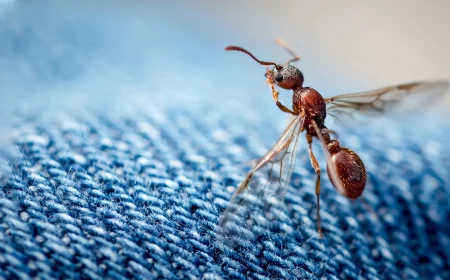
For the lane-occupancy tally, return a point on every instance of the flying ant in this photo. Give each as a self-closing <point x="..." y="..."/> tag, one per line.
<point x="345" y="169"/>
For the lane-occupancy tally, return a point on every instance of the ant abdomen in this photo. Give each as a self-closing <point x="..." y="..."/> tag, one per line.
<point x="347" y="173"/>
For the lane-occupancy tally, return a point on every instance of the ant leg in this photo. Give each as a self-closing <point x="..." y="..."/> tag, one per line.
<point x="268" y="75"/>
<point x="316" y="166"/>
<point x="285" y="109"/>
<point x="269" y="81"/>
<point x="275" y="93"/>
<point x="283" y="44"/>
<point x="275" y="97"/>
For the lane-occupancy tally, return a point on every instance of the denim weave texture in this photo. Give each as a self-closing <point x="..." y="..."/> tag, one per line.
<point x="139" y="197"/>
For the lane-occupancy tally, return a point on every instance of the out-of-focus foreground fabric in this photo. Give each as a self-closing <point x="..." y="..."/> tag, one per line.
<point x="160" y="125"/>
<point x="140" y="196"/>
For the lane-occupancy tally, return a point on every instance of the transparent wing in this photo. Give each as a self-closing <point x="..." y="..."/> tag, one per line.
<point x="258" y="198"/>
<point x="390" y="98"/>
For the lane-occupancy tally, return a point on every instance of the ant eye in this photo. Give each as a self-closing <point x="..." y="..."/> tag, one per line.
<point x="278" y="77"/>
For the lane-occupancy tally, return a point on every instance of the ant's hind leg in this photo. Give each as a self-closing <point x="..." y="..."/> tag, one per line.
<point x="316" y="167"/>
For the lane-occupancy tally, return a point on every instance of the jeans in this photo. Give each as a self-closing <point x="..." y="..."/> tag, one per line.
<point x="140" y="196"/>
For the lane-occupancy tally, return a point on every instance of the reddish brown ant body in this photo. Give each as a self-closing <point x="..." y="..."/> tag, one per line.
<point x="344" y="167"/>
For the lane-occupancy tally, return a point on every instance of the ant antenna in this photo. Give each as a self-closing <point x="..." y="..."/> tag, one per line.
<point x="283" y="44"/>
<point x="235" y="48"/>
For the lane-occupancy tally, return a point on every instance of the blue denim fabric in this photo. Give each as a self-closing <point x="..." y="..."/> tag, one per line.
<point x="120" y="194"/>
<point x="140" y="197"/>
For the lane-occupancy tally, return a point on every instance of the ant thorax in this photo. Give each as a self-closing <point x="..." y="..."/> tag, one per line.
<point x="312" y="103"/>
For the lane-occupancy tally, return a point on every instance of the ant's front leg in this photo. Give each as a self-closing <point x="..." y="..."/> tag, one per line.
<point x="275" y="97"/>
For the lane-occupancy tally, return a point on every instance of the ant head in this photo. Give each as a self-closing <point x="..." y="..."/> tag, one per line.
<point x="287" y="76"/>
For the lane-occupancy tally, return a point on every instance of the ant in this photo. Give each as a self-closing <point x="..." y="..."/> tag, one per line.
<point x="345" y="168"/>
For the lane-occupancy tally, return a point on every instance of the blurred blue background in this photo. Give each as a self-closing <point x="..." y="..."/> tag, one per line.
<point x="164" y="62"/>
<point x="114" y="55"/>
